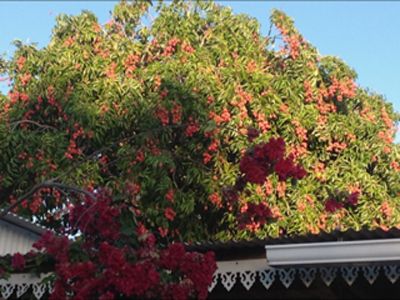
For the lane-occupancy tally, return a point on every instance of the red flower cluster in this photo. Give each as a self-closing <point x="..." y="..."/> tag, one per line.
<point x="21" y="62"/>
<point x="293" y="43"/>
<point x="308" y="92"/>
<point x="18" y="261"/>
<point x="215" y="199"/>
<point x="332" y="205"/>
<point x="163" y="115"/>
<point x="254" y="215"/>
<point x="131" y="63"/>
<point x="207" y="157"/>
<point x="139" y="156"/>
<point x="186" y="47"/>
<point x="269" y="157"/>
<point x="198" y="270"/>
<point x="73" y="148"/>
<point x="97" y="217"/>
<point x="353" y="198"/>
<point x="252" y="134"/>
<point x="192" y="128"/>
<point x="342" y="89"/>
<point x="286" y="168"/>
<point x="262" y="121"/>
<point x="110" y="72"/>
<point x="169" y="213"/>
<point x="170" y="195"/>
<point x="171" y="47"/>
<point x="176" y="113"/>
<point x="223" y="118"/>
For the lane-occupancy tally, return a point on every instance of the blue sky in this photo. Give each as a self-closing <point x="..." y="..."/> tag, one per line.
<point x="363" y="34"/>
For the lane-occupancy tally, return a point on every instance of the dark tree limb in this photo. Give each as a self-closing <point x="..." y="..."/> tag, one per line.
<point x="43" y="126"/>
<point x="46" y="184"/>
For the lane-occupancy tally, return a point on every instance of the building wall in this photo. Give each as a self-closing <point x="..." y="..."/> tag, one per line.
<point x="15" y="239"/>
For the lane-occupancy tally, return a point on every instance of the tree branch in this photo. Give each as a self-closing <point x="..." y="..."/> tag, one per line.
<point x="43" y="126"/>
<point x="46" y="184"/>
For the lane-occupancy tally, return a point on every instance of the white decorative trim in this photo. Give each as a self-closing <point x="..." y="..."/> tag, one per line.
<point x="328" y="275"/>
<point x="371" y="273"/>
<point x="250" y="271"/>
<point x="228" y="273"/>
<point x="333" y="252"/>
<point x="267" y="277"/>
<point x="39" y="289"/>
<point x="228" y="280"/>
<point x="22" y="283"/>
<point x="213" y="282"/>
<point x="349" y="274"/>
<point x="307" y="275"/>
<point x="21" y="289"/>
<point x="247" y="278"/>
<point x="6" y="290"/>
<point x="392" y="273"/>
<point x="287" y="276"/>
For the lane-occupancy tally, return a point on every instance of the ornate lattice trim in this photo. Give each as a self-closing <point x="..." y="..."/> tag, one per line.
<point x="247" y="272"/>
<point x="20" y="284"/>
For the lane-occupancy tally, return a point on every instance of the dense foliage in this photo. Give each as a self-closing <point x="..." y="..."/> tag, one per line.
<point x="159" y="112"/>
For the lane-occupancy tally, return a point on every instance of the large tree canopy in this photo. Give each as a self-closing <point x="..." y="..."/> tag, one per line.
<point x="159" y="112"/>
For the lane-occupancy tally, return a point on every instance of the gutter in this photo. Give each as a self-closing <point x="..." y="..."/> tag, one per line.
<point x="333" y="252"/>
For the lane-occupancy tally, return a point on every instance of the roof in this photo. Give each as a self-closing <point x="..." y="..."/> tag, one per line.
<point x="23" y="223"/>
<point x="256" y="247"/>
<point x="337" y="258"/>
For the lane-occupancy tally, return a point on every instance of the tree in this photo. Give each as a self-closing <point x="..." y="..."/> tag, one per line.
<point x="158" y="117"/>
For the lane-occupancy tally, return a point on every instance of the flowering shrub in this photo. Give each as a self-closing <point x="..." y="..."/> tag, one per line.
<point x="116" y="256"/>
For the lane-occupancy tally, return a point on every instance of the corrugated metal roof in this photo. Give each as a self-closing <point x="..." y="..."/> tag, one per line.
<point x="256" y="245"/>
<point x="23" y="223"/>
